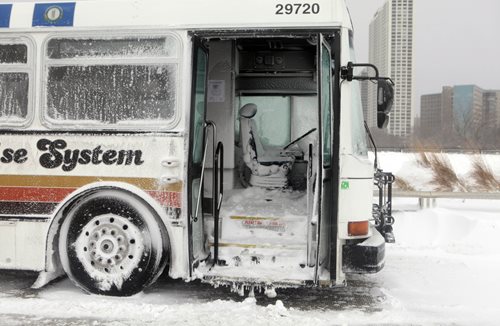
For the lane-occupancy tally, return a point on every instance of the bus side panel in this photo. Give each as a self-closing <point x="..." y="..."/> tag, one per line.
<point x="22" y="244"/>
<point x="356" y="193"/>
<point x="356" y="196"/>
<point x="41" y="172"/>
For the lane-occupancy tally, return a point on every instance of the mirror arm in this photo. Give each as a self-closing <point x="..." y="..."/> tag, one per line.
<point x="348" y="72"/>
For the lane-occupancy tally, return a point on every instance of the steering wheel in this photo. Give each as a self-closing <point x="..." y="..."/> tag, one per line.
<point x="300" y="138"/>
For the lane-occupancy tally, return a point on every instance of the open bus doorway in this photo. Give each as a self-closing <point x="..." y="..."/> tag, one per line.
<point x="262" y="95"/>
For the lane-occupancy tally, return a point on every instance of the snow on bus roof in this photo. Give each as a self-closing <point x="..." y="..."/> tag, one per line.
<point x="195" y="14"/>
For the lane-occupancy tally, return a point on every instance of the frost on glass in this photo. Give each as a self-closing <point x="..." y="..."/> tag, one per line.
<point x="358" y="132"/>
<point x="13" y="85"/>
<point x="114" y="47"/>
<point x="13" y="95"/>
<point x="111" y="94"/>
<point x="13" y="53"/>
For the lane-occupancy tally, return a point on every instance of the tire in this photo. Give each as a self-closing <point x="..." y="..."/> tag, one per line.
<point x="111" y="243"/>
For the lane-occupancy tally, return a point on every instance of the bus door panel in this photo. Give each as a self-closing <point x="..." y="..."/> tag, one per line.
<point x="325" y="198"/>
<point x="197" y="141"/>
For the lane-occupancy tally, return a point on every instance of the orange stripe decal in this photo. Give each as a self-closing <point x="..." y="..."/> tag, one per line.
<point x="54" y="189"/>
<point x="57" y="195"/>
<point x="59" y="181"/>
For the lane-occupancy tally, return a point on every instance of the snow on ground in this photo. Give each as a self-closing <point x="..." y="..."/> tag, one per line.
<point x="405" y="166"/>
<point x="443" y="270"/>
<point x="445" y="264"/>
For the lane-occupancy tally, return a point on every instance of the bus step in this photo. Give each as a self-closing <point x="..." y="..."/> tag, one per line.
<point x="246" y="254"/>
<point x="253" y="268"/>
<point x="263" y="227"/>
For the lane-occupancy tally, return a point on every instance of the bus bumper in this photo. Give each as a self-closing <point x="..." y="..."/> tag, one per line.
<point x="364" y="257"/>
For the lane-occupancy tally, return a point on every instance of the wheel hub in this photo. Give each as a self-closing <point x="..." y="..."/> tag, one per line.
<point x="107" y="246"/>
<point x="110" y="245"/>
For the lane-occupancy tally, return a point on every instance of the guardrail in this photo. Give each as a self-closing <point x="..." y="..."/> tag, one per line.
<point x="427" y="199"/>
<point x="443" y="150"/>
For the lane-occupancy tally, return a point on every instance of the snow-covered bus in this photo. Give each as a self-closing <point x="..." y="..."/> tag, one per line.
<point x="213" y="140"/>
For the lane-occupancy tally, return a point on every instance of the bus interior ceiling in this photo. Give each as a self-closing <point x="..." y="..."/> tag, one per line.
<point x="267" y="200"/>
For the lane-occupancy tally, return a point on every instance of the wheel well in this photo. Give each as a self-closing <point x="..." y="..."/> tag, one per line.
<point x="53" y="261"/>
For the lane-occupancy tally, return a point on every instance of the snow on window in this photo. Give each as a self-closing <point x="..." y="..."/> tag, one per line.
<point x="13" y="53"/>
<point x="14" y="83"/>
<point x="13" y="95"/>
<point x="111" y="93"/>
<point x="85" y="86"/>
<point x="119" y="47"/>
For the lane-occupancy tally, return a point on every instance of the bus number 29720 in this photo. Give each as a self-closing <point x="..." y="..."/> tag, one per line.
<point x="297" y="9"/>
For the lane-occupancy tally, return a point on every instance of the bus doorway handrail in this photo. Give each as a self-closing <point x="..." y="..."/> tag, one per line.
<point x="208" y="125"/>
<point x="217" y="182"/>
<point x="218" y="194"/>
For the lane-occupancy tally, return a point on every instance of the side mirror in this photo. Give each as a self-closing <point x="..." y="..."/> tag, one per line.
<point x="385" y="99"/>
<point x="385" y="90"/>
<point x="382" y="120"/>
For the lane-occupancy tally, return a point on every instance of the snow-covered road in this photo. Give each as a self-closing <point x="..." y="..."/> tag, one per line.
<point x="443" y="269"/>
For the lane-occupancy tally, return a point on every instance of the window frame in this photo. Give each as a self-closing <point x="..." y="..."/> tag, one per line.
<point x="29" y="68"/>
<point x="241" y="100"/>
<point x="139" y="125"/>
<point x="326" y="143"/>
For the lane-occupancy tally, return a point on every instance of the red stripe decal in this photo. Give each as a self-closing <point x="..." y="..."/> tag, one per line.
<point x="32" y="194"/>
<point x="166" y="198"/>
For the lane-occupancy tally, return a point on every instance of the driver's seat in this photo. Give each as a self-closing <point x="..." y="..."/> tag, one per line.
<point x="269" y="166"/>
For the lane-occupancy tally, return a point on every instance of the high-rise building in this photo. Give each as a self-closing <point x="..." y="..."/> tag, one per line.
<point x="364" y="94"/>
<point x="391" y="49"/>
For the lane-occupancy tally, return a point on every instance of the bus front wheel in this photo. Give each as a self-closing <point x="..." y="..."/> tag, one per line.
<point x="110" y="243"/>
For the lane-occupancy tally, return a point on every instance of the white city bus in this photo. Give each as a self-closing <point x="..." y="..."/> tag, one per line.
<point x="213" y="140"/>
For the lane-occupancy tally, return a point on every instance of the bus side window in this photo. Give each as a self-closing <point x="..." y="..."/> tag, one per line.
<point x="15" y="83"/>
<point x="272" y="118"/>
<point x="358" y="132"/>
<point x="326" y="102"/>
<point x="112" y="82"/>
<point x="199" y="106"/>
<point x="359" y="146"/>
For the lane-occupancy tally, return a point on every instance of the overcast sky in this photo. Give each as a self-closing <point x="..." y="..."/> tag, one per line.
<point x="456" y="42"/>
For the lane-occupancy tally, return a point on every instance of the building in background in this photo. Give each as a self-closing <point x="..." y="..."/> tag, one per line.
<point x="467" y="109"/>
<point x="431" y="114"/>
<point x="491" y="110"/>
<point x="446" y="110"/>
<point x="391" y="49"/>
<point x="463" y="112"/>
<point x="436" y="113"/>
<point x="364" y="94"/>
